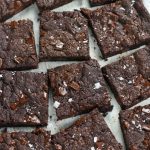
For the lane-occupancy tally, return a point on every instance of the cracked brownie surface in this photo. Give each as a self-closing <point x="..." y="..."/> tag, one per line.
<point x="119" y="26"/>
<point x="51" y="4"/>
<point x="23" y="99"/>
<point x="63" y="36"/>
<point x="38" y="139"/>
<point x="90" y="132"/>
<point x="129" y="78"/>
<point x="135" y="124"/>
<point x="78" y="88"/>
<point x="17" y="46"/>
<point x="8" y="8"/>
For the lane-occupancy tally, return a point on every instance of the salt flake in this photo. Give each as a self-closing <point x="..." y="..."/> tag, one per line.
<point x="97" y="85"/>
<point x="56" y="104"/>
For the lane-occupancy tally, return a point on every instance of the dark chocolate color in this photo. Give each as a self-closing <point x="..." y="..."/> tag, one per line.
<point x="23" y="99"/>
<point x="129" y="78"/>
<point x="51" y="4"/>
<point x="38" y="139"/>
<point x="90" y="132"/>
<point x="135" y="124"/>
<point x="78" y="88"/>
<point x="8" y="8"/>
<point x="120" y="26"/>
<point x="63" y="36"/>
<point x="17" y="46"/>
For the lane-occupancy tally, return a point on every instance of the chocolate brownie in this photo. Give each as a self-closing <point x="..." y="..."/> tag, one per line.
<point x="129" y="78"/>
<point x="64" y="36"/>
<point x="100" y="2"/>
<point x="23" y="99"/>
<point x="51" y="4"/>
<point x="90" y="132"/>
<point x="135" y="124"/>
<point x="38" y="139"/>
<point x="78" y="88"/>
<point x="8" y="8"/>
<point x="17" y="46"/>
<point x="120" y="26"/>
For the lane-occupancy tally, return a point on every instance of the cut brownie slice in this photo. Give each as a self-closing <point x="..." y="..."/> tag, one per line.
<point x="17" y="46"/>
<point x="78" y="88"/>
<point x="51" y="4"/>
<point x="23" y="99"/>
<point x="129" y="78"/>
<point x="120" y="26"/>
<point x="90" y="132"/>
<point x="135" y="125"/>
<point x="64" y="36"/>
<point x="100" y="2"/>
<point x="38" y="139"/>
<point x="12" y="7"/>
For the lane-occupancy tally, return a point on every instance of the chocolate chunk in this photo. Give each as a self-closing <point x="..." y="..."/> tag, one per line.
<point x="90" y="132"/>
<point x="78" y="88"/>
<point x="137" y="134"/>
<point x="64" y="36"/>
<point x="38" y="139"/>
<point x="23" y="99"/>
<point x="12" y="7"/>
<point x="17" y="46"/>
<point x="120" y="26"/>
<point x="129" y="78"/>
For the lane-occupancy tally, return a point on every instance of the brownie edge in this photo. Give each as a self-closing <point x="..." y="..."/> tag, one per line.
<point x="17" y="46"/>
<point x="79" y="88"/>
<point x="135" y="124"/>
<point x="129" y="78"/>
<point x="23" y="99"/>
<point x="51" y="4"/>
<point x="120" y="26"/>
<point x="12" y="7"/>
<point x="90" y="132"/>
<point x="38" y="139"/>
<point x="63" y="36"/>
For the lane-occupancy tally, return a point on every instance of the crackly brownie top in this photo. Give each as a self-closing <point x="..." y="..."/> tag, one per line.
<point x="38" y="139"/>
<point x="90" y="132"/>
<point x="9" y="8"/>
<point x="79" y="88"/>
<point x="23" y="98"/>
<point x="129" y="78"/>
<point x="120" y="26"/>
<point x="136" y="127"/>
<point x="51" y="4"/>
<point x="63" y="34"/>
<point x="17" y="45"/>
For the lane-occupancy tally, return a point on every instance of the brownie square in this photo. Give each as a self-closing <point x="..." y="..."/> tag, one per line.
<point x="100" y="2"/>
<point x="120" y="26"/>
<point x="78" y="88"/>
<point x="90" y="132"/>
<point x="23" y="99"/>
<point x="129" y="78"/>
<point x="135" y="124"/>
<point x="51" y="4"/>
<point x="17" y="46"/>
<point x="38" y="139"/>
<point x="63" y="36"/>
<point x="12" y="7"/>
